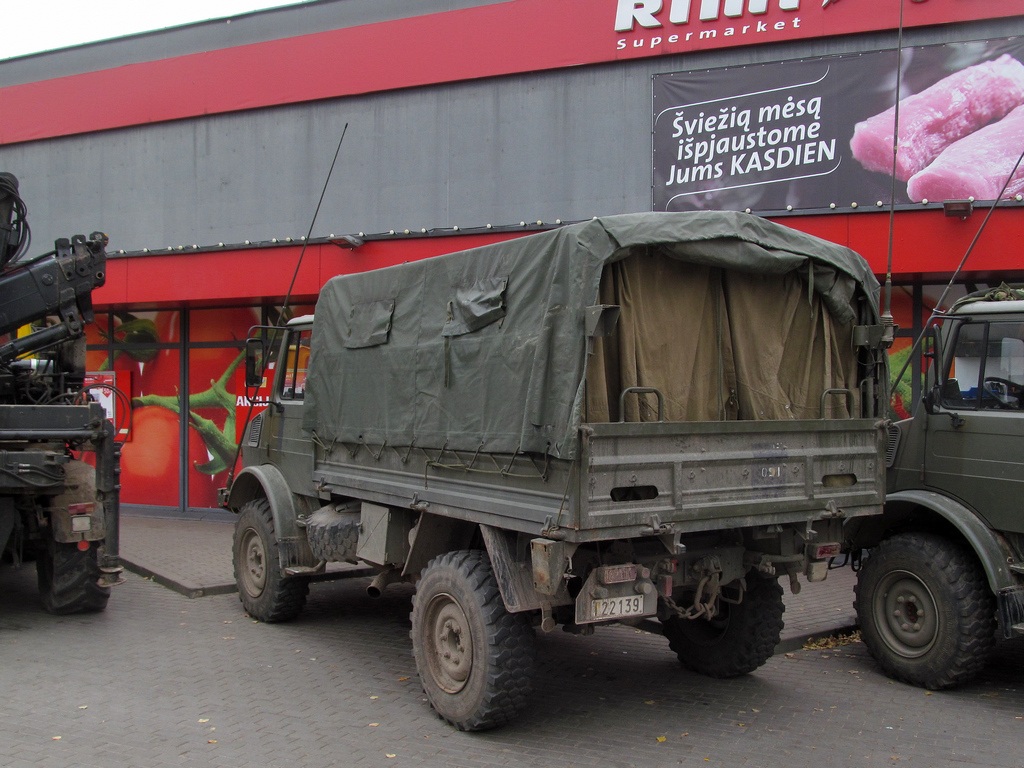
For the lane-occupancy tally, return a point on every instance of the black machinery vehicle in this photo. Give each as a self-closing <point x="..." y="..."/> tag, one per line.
<point x="56" y="507"/>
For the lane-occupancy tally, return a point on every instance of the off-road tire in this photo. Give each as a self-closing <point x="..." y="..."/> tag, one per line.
<point x="333" y="535"/>
<point x="457" y="609"/>
<point x="262" y="587"/>
<point x="925" y="610"/>
<point x="737" y="641"/>
<point x="69" y="579"/>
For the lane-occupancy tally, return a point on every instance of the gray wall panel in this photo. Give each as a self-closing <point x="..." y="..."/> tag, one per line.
<point x="565" y="144"/>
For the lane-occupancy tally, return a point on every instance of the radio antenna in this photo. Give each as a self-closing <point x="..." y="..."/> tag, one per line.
<point x="312" y="222"/>
<point x="888" y="324"/>
<point x="977" y="236"/>
<point x="287" y="299"/>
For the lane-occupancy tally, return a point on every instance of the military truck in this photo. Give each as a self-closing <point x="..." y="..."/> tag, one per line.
<point x="946" y="561"/>
<point x="55" y="506"/>
<point x="636" y="418"/>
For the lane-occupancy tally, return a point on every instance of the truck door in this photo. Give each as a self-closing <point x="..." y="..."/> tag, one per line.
<point x="975" y="437"/>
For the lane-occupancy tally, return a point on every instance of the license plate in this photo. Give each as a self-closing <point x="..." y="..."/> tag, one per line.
<point x="617" y="607"/>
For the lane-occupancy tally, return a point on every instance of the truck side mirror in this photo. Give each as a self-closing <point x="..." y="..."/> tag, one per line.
<point x="255" y="362"/>
<point x="947" y="394"/>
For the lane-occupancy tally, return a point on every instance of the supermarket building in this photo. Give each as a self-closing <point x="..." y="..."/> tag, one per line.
<point x="204" y="152"/>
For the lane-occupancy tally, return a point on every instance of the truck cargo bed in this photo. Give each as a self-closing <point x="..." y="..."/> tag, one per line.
<point x="635" y="479"/>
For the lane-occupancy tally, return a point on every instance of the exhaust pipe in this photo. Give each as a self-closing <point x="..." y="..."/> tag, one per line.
<point x="388" y="576"/>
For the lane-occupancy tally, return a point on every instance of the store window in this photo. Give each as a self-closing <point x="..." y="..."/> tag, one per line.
<point x="216" y="340"/>
<point x="138" y="354"/>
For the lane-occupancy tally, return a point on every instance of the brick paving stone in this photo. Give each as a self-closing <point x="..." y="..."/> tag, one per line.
<point x="298" y="695"/>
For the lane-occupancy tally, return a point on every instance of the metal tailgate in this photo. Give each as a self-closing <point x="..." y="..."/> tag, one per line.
<point x="696" y="476"/>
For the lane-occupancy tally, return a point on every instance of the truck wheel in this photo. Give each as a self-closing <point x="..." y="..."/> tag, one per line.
<point x="474" y="658"/>
<point x="925" y="611"/>
<point x="263" y="589"/>
<point x="739" y="640"/>
<point x="69" y="579"/>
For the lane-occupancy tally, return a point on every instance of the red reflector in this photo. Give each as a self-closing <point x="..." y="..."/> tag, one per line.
<point x="85" y="508"/>
<point x="823" y="551"/>
<point x="665" y="586"/>
<point x="83" y="545"/>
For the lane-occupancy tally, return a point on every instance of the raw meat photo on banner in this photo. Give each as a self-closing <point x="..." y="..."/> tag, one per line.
<point x="816" y="134"/>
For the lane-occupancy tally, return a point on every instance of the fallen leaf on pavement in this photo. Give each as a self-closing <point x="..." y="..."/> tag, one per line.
<point x="824" y="643"/>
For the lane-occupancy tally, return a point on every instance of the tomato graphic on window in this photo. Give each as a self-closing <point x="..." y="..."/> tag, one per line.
<point x="149" y="461"/>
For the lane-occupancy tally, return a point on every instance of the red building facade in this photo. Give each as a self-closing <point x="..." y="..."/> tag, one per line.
<point x="204" y="152"/>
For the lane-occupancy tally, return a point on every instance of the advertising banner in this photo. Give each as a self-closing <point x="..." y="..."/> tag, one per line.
<point x="817" y="134"/>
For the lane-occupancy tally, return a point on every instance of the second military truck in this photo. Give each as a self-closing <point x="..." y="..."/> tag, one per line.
<point x="638" y="417"/>
<point x="946" y="561"/>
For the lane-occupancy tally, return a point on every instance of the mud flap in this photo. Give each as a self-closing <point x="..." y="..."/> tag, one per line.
<point x="1011" y="611"/>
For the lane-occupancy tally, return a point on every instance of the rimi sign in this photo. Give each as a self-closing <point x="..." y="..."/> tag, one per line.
<point x="645" y="12"/>
<point x="657" y="27"/>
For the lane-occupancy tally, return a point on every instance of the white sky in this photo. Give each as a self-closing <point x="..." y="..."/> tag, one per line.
<point x="30" y="26"/>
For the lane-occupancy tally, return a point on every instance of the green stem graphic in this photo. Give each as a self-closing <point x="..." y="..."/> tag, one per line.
<point x="220" y="443"/>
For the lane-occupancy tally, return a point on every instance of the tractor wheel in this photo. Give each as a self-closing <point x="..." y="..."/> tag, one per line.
<point x="738" y="640"/>
<point x="474" y="658"/>
<point x="263" y="589"/>
<point x="925" y="610"/>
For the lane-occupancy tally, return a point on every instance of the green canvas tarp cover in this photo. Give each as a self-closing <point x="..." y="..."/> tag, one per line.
<point x="729" y="315"/>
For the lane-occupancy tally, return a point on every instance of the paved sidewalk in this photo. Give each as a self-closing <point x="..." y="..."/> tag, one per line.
<point x="193" y="557"/>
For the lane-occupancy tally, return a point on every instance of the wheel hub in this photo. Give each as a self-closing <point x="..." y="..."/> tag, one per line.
<point x="906" y="614"/>
<point x="450" y="649"/>
<point x="254" y="565"/>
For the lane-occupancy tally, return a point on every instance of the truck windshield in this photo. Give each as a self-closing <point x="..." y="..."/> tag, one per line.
<point x="987" y="367"/>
